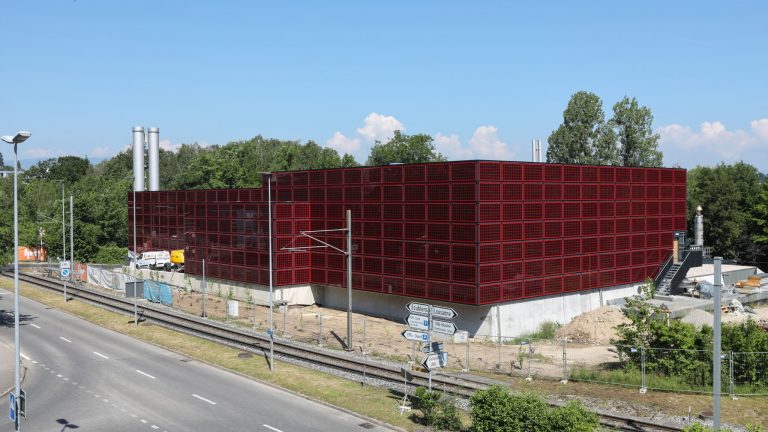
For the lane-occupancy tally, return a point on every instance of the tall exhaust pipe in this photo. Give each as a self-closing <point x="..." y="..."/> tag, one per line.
<point x="698" y="228"/>
<point x="138" y="159"/>
<point x="154" y="158"/>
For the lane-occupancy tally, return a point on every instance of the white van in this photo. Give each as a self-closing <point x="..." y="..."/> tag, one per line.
<point x="154" y="260"/>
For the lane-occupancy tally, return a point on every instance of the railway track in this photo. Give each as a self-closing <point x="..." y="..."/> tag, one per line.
<point x="254" y="342"/>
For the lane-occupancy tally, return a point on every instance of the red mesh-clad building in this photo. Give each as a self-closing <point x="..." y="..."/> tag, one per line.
<point x="476" y="232"/>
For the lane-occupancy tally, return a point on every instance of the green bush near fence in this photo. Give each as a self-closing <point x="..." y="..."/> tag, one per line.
<point x="681" y="355"/>
<point x="439" y="410"/>
<point x="497" y="410"/>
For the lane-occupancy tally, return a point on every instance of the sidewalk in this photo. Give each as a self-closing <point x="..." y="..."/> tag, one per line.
<point x="7" y="367"/>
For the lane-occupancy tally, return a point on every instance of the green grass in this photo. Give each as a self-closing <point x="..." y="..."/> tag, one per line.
<point x="546" y="331"/>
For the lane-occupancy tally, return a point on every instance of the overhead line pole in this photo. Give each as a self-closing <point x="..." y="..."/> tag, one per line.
<point x="63" y="239"/>
<point x="71" y="239"/>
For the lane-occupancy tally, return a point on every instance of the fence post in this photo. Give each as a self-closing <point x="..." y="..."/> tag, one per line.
<point x="467" y="363"/>
<point x="320" y="334"/>
<point x="565" y="362"/>
<point x="730" y="376"/>
<point x="362" y="349"/>
<point x="643" y="388"/>
<point x="530" y="357"/>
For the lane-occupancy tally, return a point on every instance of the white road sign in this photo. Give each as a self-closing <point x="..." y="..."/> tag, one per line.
<point x="445" y="327"/>
<point x="418" y="322"/>
<point x="432" y="361"/>
<point x="443" y="312"/>
<point x="63" y="265"/>
<point x="418" y="308"/>
<point x="416" y="335"/>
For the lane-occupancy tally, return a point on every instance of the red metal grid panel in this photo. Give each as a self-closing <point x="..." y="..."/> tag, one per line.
<point x="465" y="232"/>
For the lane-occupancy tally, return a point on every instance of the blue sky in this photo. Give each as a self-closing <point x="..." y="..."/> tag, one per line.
<point x="483" y="78"/>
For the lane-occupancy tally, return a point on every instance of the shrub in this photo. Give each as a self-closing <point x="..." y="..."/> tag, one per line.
<point x="572" y="417"/>
<point x="496" y="410"/>
<point x="110" y="254"/>
<point x="439" y="411"/>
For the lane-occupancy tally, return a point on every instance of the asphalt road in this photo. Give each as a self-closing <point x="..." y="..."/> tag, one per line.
<point x="82" y="376"/>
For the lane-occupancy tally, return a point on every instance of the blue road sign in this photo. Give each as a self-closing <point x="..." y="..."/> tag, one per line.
<point x="12" y="407"/>
<point x="269" y="332"/>
<point x="64" y="273"/>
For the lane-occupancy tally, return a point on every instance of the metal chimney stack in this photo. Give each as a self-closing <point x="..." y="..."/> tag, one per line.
<point x="154" y="158"/>
<point x="698" y="228"/>
<point x="138" y="159"/>
<point x="536" y="150"/>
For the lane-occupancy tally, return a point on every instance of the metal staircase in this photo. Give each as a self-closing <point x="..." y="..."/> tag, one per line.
<point x="665" y="287"/>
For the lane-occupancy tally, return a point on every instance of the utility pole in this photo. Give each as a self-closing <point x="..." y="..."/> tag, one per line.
<point x="716" y="348"/>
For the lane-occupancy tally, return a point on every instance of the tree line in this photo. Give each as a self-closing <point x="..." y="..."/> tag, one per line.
<point x="734" y="197"/>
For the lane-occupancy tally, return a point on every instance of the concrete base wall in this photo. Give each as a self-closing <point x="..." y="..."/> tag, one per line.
<point x="511" y="319"/>
<point x="506" y="319"/>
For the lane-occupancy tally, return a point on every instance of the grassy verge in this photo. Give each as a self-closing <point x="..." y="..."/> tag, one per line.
<point x="370" y="401"/>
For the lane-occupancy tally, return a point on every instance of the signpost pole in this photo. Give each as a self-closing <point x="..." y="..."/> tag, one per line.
<point x="429" y="343"/>
<point x="203" y="287"/>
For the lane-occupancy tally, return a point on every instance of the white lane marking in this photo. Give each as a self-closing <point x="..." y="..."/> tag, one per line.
<point x="134" y="415"/>
<point x="101" y="355"/>
<point x="270" y="427"/>
<point x="65" y="339"/>
<point x="155" y="427"/>
<point x="34" y="362"/>
<point x="204" y="399"/>
<point x="25" y="357"/>
<point x="35" y="326"/>
<point x="59" y="376"/>
<point x="145" y="374"/>
<point x="143" y="421"/>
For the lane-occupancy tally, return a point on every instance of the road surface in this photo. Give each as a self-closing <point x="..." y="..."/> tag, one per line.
<point x="82" y="376"/>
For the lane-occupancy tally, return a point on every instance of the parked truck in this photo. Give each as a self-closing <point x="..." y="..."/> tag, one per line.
<point x="151" y="259"/>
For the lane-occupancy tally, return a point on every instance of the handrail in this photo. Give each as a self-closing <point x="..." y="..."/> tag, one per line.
<point x="663" y="269"/>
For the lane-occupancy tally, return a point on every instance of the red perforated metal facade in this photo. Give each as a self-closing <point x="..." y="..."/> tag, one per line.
<point x="476" y="232"/>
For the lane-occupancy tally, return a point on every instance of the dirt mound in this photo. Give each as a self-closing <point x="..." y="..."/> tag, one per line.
<point x="597" y="327"/>
<point x="699" y="318"/>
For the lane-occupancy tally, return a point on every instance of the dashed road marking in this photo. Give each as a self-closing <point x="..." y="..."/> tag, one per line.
<point x="35" y="326"/>
<point x="101" y="355"/>
<point x="65" y="339"/>
<point x="204" y="399"/>
<point x="155" y="427"/>
<point x="143" y="421"/>
<point x="273" y="428"/>
<point x="25" y="357"/>
<point x="145" y="374"/>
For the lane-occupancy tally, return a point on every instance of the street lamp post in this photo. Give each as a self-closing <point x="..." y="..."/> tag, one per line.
<point x="63" y="239"/>
<point x="16" y="140"/>
<point x="71" y="240"/>
<point x="135" y="259"/>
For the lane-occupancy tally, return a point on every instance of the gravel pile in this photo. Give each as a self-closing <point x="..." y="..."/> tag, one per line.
<point x="597" y="327"/>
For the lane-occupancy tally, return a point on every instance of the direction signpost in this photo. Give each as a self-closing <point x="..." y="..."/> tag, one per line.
<point x="423" y="317"/>
<point x="415" y="335"/>
<point x="12" y="413"/>
<point x="418" y="322"/>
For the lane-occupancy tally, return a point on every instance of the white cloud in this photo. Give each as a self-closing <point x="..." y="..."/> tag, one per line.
<point x="101" y="152"/>
<point x="486" y="144"/>
<point x="450" y="147"/>
<point x="40" y="153"/>
<point x="343" y="144"/>
<point x="715" y="137"/>
<point x="379" y="127"/>
<point x="760" y="128"/>
<point x="168" y="146"/>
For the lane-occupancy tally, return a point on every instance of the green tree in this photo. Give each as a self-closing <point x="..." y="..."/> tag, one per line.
<point x="572" y="417"/>
<point x="66" y="168"/>
<point x="760" y="215"/>
<point x="583" y="137"/>
<point x="402" y="148"/>
<point x="729" y="196"/>
<point x="638" y="145"/>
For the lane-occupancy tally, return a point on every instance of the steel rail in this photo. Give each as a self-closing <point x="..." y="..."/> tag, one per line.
<point x="291" y="350"/>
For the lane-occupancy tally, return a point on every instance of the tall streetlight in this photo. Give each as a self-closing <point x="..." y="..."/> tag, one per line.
<point x="63" y="239"/>
<point x="135" y="259"/>
<point x="71" y="239"/>
<point x="271" y="300"/>
<point x="16" y="140"/>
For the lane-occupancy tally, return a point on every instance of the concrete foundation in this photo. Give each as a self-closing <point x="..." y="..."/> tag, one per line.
<point x="506" y="320"/>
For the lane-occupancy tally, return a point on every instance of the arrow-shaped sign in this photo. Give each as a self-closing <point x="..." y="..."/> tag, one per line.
<point x="415" y="335"/>
<point x="443" y="312"/>
<point x="418" y="308"/>
<point x="445" y="327"/>
<point x="418" y="322"/>
<point x="432" y="361"/>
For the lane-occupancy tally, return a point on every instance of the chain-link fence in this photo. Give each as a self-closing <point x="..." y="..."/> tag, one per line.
<point x="743" y="373"/>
